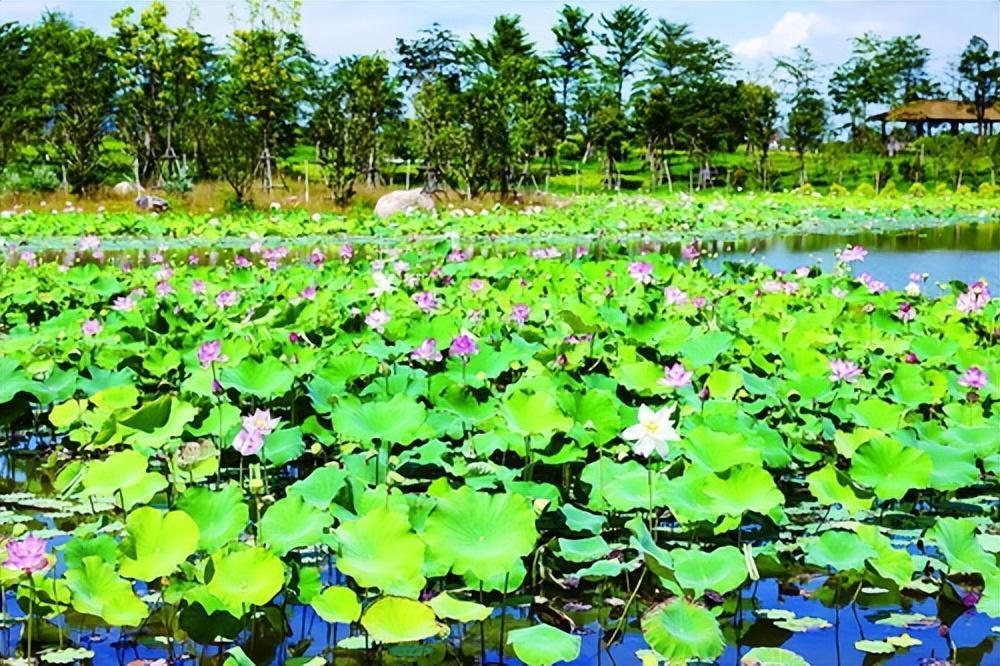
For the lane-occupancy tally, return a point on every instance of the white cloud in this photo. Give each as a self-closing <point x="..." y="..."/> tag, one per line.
<point x="792" y="29"/>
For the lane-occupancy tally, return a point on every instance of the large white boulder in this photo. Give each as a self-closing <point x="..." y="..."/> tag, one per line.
<point x="403" y="201"/>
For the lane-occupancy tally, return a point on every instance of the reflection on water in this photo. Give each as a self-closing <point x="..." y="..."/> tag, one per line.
<point x="965" y="252"/>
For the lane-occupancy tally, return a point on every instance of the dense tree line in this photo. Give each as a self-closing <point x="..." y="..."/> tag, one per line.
<point x="480" y="114"/>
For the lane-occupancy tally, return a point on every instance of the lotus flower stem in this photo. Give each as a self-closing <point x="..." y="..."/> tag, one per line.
<point x="503" y="614"/>
<point x="628" y="604"/>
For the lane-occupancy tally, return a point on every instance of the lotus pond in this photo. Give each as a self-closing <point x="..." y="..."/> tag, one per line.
<point x="529" y="452"/>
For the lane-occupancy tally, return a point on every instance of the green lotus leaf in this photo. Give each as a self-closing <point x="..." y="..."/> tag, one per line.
<point x="830" y="486"/>
<point x="745" y="488"/>
<point x="156" y="423"/>
<point x="801" y="624"/>
<point x="337" y="604"/>
<point x="772" y="656"/>
<point x="462" y="533"/>
<point x="400" y="620"/>
<point x="98" y="590"/>
<point x="448" y="607"/>
<point x="952" y="467"/>
<point x="158" y="543"/>
<point x="892" y="563"/>
<point x="622" y="486"/>
<point x="874" y="647"/>
<point x="380" y="550"/>
<point x="579" y="520"/>
<point x="283" y="446"/>
<point x="903" y="641"/>
<point x="878" y="414"/>
<point x="840" y="550"/>
<point x="583" y="550"/>
<point x="535" y="414"/>
<point x="657" y="559"/>
<point x="955" y="538"/>
<point x="718" y="451"/>
<point x="220" y="515"/>
<point x="891" y="469"/>
<point x="908" y="620"/>
<point x="321" y="486"/>
<point x="68" y="655"/>
<point x="680" y="631"/>
<point x="291" y="523"/>
<point x="398" y="421"/>
<point x="721" y="570"/>
<point x="269" y="378"/>
<point x="543" y="645"/>
<point x="122" y="476"/>
<point x="231" y="584"/>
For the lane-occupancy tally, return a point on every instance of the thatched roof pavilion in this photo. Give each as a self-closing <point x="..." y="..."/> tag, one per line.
<point x="928" y="113"/>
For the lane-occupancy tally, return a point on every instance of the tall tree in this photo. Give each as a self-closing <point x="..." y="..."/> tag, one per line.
<point x="163" y="74"/>
<point x="759" y="109"/>
<point x="19" y="100"/>
<point x="807" y="113"/>
<point x="979" y="78"/>
<point x="623" y="36"/>
<point x="79" y="84"/>
<point x="571" y="58"/>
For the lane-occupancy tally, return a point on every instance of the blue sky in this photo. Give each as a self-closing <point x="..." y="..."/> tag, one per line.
<point x="755" y="30"/>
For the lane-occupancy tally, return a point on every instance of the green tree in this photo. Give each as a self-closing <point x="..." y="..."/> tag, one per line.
<point x="163" y="74"/>
<point x="759" y="106"/>
<point x="19" y="100"/>
<point x="807" y="112"/>
<point x="623" y="36"/>
<point x="572" y="57"/>
<point x="78" y="83"/>
<point x="979" y="78"/>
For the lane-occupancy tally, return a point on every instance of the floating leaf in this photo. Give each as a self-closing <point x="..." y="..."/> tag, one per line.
<point x="448" y="607"/>
<point x="679" y="631"/>
<point x="800" y="624"/>
<point x="232" y="585"/>
<point x="543" y="645"/>
<point x="462" y="532"/>
<point x="291" y="523"/>
<point x="380" y="550"/>
<point x="337" y="604"/>
<point x="122" y="476"/>
<point x="399" y="620"/>
<point x="874" y="647"/>
<point x="158" y="543"/>
<point x="772" y="656"/>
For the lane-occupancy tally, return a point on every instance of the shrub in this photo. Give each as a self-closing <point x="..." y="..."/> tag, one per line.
<point x="917" y="190"/>
<point x="988" y="189"/>
<point x="864" y="190"/>
<point x="838" y="190"/>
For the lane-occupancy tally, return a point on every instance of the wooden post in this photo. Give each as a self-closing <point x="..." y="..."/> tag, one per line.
<point x="307" y="181"/>
<point x="408" y="173"/>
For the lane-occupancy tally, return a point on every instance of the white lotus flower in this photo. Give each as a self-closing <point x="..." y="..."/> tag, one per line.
<point x="652" y="432"/>
<point x="384" y="284"/>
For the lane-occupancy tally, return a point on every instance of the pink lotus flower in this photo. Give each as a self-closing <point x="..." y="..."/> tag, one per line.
<point x="427" y="351"/>
<point x="691" y="252"/>
<point x="476" y="285"/>
<point x="29" y="258"/>
<point x="975" y="299"/>
<point x="197" y="287"/>
<point x="248" y="443"/>
<point x="641" y="272"/>
<point x="844" y="371"/>
<point x="906" y="312"/>
<point x="261" y="422"/>
<point x="26" y="555"/>
<point x="193" y="259"/>
<point x="520" y="313"/>
<point x="346" y="251"/>
<point x="426" y="301"/>
<point x="241" y="261"/>
<point x="227" y="298"/>
<point x="377" y="319"/>
<point x="699" y="302"/>
<point x="674" y="296"/>
<point x="91" y="327"/>
<point x="164" y="289"/>
<point x="675" y="376"/>
<point x="123" y="304"/>
<point x="89" y="243"/>
<point x="973" y="378"/>
<point x="463" y="346"/>
<point x="853" y="253"/>
<point x="211" y="352"/>
<point x="309" y="293"/>
<point x="457" y="256"/>
<point x="316" y="257"/>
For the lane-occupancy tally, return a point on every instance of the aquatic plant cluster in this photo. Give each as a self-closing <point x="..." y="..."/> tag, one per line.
<point x="589" y="214"/>
<point x="423" y="440"/>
